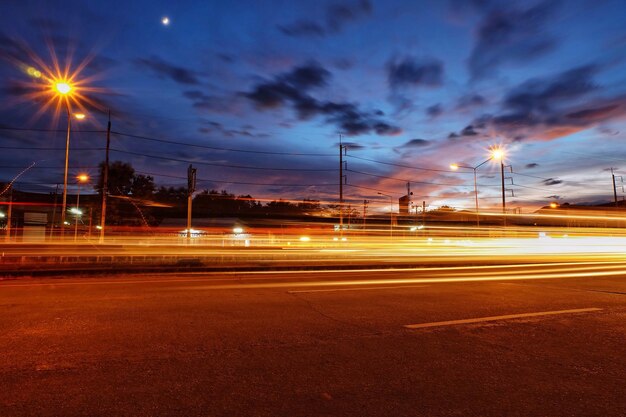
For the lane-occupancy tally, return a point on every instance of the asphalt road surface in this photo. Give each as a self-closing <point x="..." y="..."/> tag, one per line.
<point x="534" y="340"/>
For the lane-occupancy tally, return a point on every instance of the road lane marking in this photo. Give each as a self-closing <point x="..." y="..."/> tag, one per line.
<point x="357" y="289"/>
<point x="496" y="318"/>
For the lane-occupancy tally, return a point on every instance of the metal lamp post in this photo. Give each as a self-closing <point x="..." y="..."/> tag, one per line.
<point x="454" y="167"/>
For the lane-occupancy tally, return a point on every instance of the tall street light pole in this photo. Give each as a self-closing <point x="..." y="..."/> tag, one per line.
<point x="497" y="154"/>
<point x="63" y="89"/>
<point x="454" y="167"/>
<point x="390" y="213"/>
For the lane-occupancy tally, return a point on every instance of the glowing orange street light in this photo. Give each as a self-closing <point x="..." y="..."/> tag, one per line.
<point x="62" y="87"/>
<point x="498" y="154"/>
<point x="80" y="116"/>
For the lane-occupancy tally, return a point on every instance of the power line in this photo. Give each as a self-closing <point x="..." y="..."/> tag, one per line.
<point x="405" y="166"/>
<point x="218" y="148"/>
<point x="238" y="182"/>
<point x="400" y="179"/>
<point x="223" y="165"/>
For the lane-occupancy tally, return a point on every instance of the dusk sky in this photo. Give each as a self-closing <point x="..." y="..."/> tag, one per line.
<point x="411" y="86"/>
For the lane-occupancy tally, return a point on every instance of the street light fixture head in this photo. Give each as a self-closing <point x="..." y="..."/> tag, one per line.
<point x="80" y="116"/>
<point x="62" y="87"/>
<point x="82" y="177"/>
<point x="497" y="154"/>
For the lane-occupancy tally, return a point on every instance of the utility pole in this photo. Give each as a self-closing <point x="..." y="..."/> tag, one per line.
<point x="105" y="182"/>
<point x="614" y="187"/>
<point x="423" y="213"/>
<point x="191" y="187"/>
<point x="341" y="179"/>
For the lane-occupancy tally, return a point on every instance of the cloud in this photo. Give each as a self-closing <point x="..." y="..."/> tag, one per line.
<point x="469" y="101"/>
<point x="552" y="181"/>
<point x="509" y="35"/>
<point x="353" y="146"/>
<point x="165" y="70"/>
<point x="303" y="28"/>
<point x="469" y="130"/>
<point x="293" y="89"/>
<point x="551" y="107"/>
<point x="544" y="94"/>
<point x="413" y="73"/>
<point x="416" y="143"/>
<point x="434" y="110"/>
<point x="213" y="103"/>
<point x="532" y="165"/>
<point x="336" y="17"/>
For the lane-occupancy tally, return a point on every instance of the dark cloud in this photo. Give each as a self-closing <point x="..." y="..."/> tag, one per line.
<point x="416" y="143"/>
<point x="510" y="35"/>
<point x="411" y="72"/>
<point x="292" y="89"/>
<point x="597" y="113"/>
<point x="532" y="165"/>
<point x="543" y="94"/>
<point x="166" y="70"/>
<point x="212" y="103"/>
<point x="337" y="15"/>
<point x="353" y="146"/>
<point x="434" y="110"/>
<point x="292" y="86"/>
<point x="470" y="101"/>
<point x="308" y="76"/>
<point x="552" y="181"/>
<point x="552" y="107"/>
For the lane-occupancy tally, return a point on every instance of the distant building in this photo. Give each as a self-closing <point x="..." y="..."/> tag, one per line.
<point x="404" y="203"/>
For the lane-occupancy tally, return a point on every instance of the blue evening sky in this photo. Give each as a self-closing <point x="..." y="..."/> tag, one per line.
<point x="411" y="86"/>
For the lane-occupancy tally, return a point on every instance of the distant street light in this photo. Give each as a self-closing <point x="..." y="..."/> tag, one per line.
<point x="390" y="213"/>
<point x="454" y="167"/>
<point x="81" y="179"/>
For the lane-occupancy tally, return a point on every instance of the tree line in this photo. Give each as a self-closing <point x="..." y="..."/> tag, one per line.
<point x="135" y="199"/>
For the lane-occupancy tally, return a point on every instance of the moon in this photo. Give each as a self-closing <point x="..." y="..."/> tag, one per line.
<point x="165" y="20"/>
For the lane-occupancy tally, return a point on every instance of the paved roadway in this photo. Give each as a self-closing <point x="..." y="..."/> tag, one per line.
<point x="547" y="341"/>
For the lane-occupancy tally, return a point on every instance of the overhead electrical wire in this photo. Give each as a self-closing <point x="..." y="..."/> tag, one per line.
<point x="218" y="148"/>
<point x="224" y="165"/>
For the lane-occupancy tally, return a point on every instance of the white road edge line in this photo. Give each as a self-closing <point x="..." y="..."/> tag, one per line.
<point x="357" y="289"/>
<point x="495" y="318"/>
